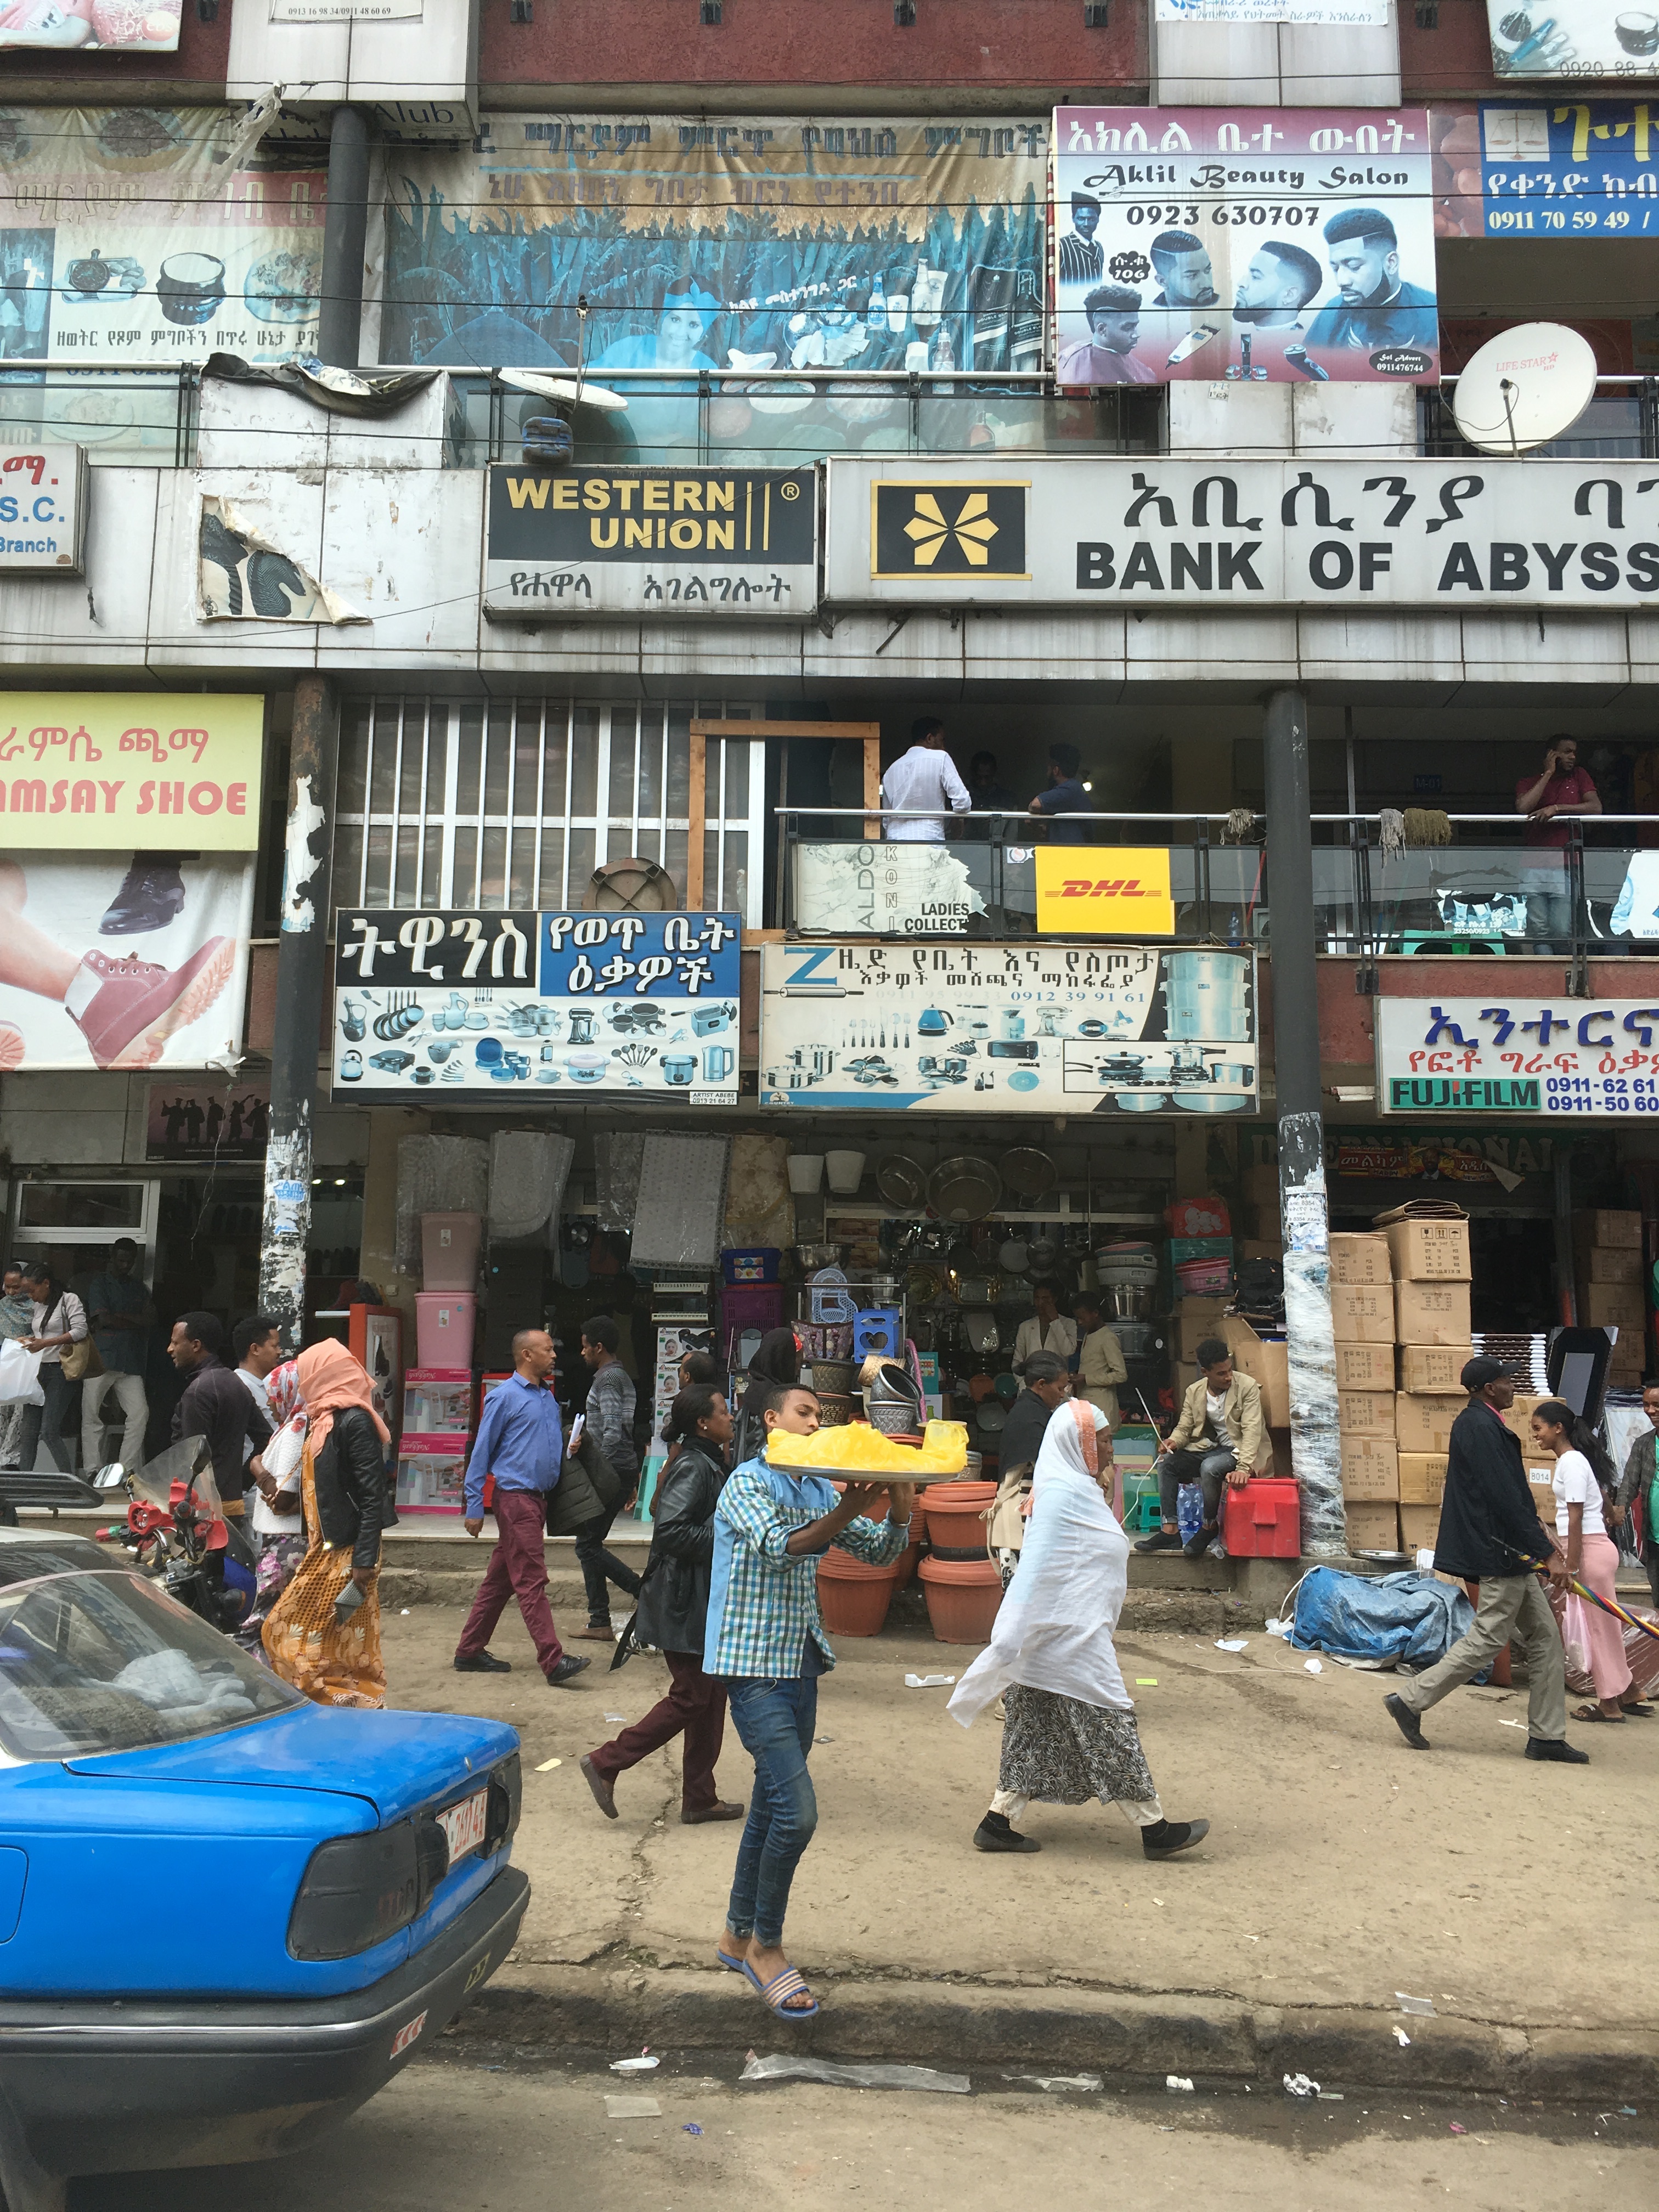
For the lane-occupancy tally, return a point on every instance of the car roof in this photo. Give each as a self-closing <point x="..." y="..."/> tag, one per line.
<point x="26" y="1553"/>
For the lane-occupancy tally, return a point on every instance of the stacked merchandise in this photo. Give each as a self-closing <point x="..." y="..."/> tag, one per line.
<point x="1608" y="1263"/>
<point x="1362" y="1323"/>
<point x="432" y="1454"/>
<point x="1430" y="1258"/>
<point x="1200" y="1248"/>
<point x="1524" y="1355"/>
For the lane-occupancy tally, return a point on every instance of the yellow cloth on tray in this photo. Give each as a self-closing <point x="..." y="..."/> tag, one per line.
<point x="855" y="1448"/>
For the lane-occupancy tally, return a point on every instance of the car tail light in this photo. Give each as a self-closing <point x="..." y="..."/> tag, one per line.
<point x="358" y="1890"/>
<point x="506" y="1795"/>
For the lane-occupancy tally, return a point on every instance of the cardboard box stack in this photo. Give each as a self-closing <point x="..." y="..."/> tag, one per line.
<point x="1429" y="1259"/>
<point x="1607" y="1257"/>
<point x="1362" y="1313"/>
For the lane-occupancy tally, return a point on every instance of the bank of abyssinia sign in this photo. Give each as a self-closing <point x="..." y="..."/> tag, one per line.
<point x="664" y="541"/>
<point x="1384" y="533"/>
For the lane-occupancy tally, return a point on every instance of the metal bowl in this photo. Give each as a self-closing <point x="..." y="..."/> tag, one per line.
<point x="964" y="1189"/>
<point x="1029" y="1174"/>
<point x="901" y="1181"/>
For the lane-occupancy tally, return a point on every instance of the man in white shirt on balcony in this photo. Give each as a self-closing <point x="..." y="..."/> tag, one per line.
<point x="925" y="778"/>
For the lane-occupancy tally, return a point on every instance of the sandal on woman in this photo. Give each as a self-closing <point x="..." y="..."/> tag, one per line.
<point x="731" y="1965"/>
<point x="782" y="1987"/>
<point x="1594" y="1713"/>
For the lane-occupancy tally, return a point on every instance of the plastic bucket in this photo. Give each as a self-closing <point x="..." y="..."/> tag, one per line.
<point x="444" y="1323"/>
<point x="963" y="1597"/>
<point x="805" y="1173"/>
<point x="449" y="1253"/>
<point x="845" y="1172"/>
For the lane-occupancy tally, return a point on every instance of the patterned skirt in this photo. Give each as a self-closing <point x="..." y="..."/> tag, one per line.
<point x="1063" y="1752"/>
<point x="306" y="1645"/>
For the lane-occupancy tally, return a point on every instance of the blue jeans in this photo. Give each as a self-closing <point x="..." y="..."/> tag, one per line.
<point x="775" y="1722"/>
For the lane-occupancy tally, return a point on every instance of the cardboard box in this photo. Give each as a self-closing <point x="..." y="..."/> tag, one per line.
<point x="1364" y="1367"/>
<point x="1622" y="1304"/>
<point x="1370" y="1468"/>
<point x="1424" y="1424"/>
<point x="1518" y="1421"/>
<point x="1281" y="1441"/>
<point x="1431" y="1313"/>
<point x="1360" y="1260"/>
<point x="1360" y="1315"/>
<point x="1539" y="1480"/>
<point x="1267" y="1362"/>
<point x="1419" y="1525"/>
<point x="1611" y="1228"/>
<point x="1433" y="1370"/>
<point x="1422" y="1477"/>
<point x="1371" y="1528"/>
<point x="1193" y="1329"/>
<point x="1614" y="1264"/>
<point x="1260" y="1247"/>
<point x="1366" y="1413"/>
<point x="1429" y="1251"/>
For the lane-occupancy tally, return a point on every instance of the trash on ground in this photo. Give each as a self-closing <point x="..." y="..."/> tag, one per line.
<point x="548" y="1765"/>
<point x="1298" y="2085"/>
<point x="691" y="2129"/>
<point x="823" y="1739"/>
<point x="1277" y="1628"/>
<point x="1511" y="1723"/>
<point x="403" y="1610"/>
<point x="617" y="1717"/>
<point x="1415" y="2004"/>
<point x="1402" y="2038"/>
<point x="1056" y="2082"/>
<point x="780" y="2066"/>
<point x="642" y="2065"/>
<point x="1182" y="2083"/>
<point x="636" y="2107"/>
<point x="928" y="1681"/>
<point x="1232" y="1643"/>
<point x="1145" y="1681"/>
<point x="1330" y="2096"/>
<point x="1311" y="1666"/>
<point x="1458" y="2128"/>
<point x="1627" y="2112"/>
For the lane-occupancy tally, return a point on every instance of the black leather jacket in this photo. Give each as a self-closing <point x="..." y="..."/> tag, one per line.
<point x="673" y="1605"/>
<point x="354" y="1500"/>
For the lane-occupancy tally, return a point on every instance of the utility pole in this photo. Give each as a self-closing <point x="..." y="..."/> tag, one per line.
<point x="1315" y="1443"/>
<point x="302" y="963"/>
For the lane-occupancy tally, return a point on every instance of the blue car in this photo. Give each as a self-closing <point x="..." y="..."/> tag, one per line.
<point x="228" y="1915"/>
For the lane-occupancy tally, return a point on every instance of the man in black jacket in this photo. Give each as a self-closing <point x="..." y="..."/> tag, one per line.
<point x="215" y="1405"/>
<point x="1489" y="1533"/>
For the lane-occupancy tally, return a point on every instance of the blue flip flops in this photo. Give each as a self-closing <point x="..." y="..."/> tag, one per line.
<point x="788" y="1983"/>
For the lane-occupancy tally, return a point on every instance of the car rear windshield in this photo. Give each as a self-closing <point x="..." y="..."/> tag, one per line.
<point x="105" y="1662"/>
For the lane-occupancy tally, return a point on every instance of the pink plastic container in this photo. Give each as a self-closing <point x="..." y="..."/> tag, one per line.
<point x="449" y="1250"/>
<point x="444" y="1322"/>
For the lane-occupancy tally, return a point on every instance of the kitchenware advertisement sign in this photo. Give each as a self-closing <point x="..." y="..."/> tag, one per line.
<point x="1008" y="1029"/>
<point x="459" y="1003"/>
<point x="1593" y="39"/>
<point x="1281" y="246"/>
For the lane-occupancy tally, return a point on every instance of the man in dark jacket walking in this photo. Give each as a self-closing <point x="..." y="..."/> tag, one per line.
<point x="1489" y="1532"/>
<point x="215" y="1405"/>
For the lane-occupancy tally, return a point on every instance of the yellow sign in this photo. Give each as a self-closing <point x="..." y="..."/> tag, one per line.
<point x="145" y="771"/>
<point x="1105" y="890"/>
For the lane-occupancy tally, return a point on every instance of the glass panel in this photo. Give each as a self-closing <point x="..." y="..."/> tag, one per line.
<point x="1502" y="898"/>
<point x="430" y="888"/>
<point x="1239" y="886"/>
<point x="675" y="861"/>
<point x="649" y="798"/>
<point x="1609" y="429"/>
<point x="409" y="846"/>
<point x="124" y="415"/>
<point x="521" y="879"/>
<point x="582" y="866"/>
<point x="1621" y="898"/>
<point x="348" y="863"/>
<point x="498" y="744"/>
<point x="469" y="752"/>
<point x="493" y="880"/>
<point x="354" y="756"/>
<point x="410" y="787"/>
<point x="526" y="773"/>
<point x="1336" y="915"/>
<point x="466" y="862"/>
<point x="735" y="872"/>
<point x="377" y="889"/>
<point x="383" y="755"/>
<point x="552" y="890"/>
<point x="624" y="729"/>
<point x="584" y="765"/>
<point x="737" y="751"/>
<point x="79" y="1204"/>
<point x="679" y="771"/>
<point x="779" y="424"/>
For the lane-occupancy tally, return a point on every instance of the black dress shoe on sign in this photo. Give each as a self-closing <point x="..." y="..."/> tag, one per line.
<point x="152" y="895"/>
<point x="482" y="1662"/>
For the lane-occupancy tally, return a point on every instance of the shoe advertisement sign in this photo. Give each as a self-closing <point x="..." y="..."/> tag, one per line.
<point x="123" y="959"/>
<point x="109" y="770"/>
<point x="464" y="1004"/>
<point x="1008" y="1029"/>
<point x="1265" y="245"/>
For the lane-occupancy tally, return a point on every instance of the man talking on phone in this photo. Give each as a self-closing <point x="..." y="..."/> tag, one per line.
<point x="1563" y="788"/>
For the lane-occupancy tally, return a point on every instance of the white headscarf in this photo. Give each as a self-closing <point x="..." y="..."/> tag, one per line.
<point x="1054" y="1630"/>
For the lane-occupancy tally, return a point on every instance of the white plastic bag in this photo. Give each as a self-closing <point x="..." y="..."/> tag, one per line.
<point x="20" y="1375"/>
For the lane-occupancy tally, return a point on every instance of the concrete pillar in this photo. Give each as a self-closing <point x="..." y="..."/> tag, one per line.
<point x="345" y="236"/>
<point x="1315" y="1445"/>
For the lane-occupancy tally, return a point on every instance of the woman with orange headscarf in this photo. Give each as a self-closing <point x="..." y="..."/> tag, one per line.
<point x="323" y="1632"/>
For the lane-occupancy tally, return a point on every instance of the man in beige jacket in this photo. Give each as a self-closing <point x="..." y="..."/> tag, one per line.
<point x="1100" y="1358"/>
<point x="1221" y="1438"/>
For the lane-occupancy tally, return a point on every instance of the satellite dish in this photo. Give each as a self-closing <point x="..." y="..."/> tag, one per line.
<point x="564" y="390"/>
<point x="1523" y="387"/>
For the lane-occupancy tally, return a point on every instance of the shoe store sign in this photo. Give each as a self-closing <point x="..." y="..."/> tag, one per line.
<point x="1129" y="534"/>
<point x="678" y="542"/>
<point x="474" y="1002"/>
<point x="1574" y="1058"/>
<point x="154" y="771"/>
<point x="43" y="511"/>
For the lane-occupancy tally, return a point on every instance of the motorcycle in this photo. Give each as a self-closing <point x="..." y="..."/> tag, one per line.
<point x="177" y="1529"/>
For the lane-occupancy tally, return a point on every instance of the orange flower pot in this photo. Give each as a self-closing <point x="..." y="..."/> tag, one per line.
<point x="962" y="1598"/>
<point x="954" y="1514"/>
<point x="854" y="1597"/>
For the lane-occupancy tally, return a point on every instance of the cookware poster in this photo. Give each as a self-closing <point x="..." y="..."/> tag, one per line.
<point x="456" y="1004"/>
<point x="1594" y="39"/>
<point x="134" y="235"/>
<point x="1279" y="245"/>
<point x="1008" y="1029"/>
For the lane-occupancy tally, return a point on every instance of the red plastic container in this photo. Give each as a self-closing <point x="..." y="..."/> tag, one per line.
<point x="854" y="1596"/>
<point x="963" y="1597"/>
<point x="1264" y="1520"/>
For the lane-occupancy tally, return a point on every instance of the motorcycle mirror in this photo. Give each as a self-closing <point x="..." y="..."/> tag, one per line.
<point x="110" y="1477"/>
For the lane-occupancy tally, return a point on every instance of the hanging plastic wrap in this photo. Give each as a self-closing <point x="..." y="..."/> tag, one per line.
<point x="437" y="1175"/>
<point x="759" y="1210"/>
<point x="1316" y="1444"/>
<point x="682" y="1201"/>
<point x="617" y="1178"/>
<point x="528" y="1172"/>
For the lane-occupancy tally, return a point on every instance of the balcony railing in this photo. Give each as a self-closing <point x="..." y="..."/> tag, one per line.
<point x="1621" y="423"/>
<point x="130" y="417"/>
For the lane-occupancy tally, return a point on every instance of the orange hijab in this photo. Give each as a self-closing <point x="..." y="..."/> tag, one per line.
<point x="330" y="1381"/>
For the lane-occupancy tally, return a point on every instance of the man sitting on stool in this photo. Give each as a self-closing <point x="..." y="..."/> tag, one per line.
<point x="1221" y="1437"/>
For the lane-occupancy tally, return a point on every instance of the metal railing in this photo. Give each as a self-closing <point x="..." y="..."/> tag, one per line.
<point x="128" y="418"/>
<point x="1621" y="423"/>
<point x="832" y="881"/>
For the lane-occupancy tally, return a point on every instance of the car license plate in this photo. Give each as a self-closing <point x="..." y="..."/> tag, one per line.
<point x="464" y="1823"/>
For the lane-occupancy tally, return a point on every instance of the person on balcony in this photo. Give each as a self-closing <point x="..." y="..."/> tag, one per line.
<point x="921" y="787"/>
<point x="1067" y="793"/>
<point x="1562" y="788"/>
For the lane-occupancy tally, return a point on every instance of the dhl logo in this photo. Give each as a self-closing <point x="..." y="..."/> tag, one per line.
<point x="1123" y="887"/>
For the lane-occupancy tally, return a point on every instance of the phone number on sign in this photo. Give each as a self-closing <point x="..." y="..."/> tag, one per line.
<point x="1607" y="1094"/>
<point x="1259" y="213"/>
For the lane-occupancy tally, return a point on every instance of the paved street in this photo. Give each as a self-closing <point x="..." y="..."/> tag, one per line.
<point x="457" y="2134"/>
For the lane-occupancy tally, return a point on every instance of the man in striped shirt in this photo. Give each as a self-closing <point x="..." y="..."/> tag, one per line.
<point x="1082" y="260"/>
<point x="765" y="1637"/>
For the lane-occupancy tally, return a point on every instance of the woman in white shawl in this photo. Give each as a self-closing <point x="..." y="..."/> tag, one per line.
<point x="1071" y="1733"/>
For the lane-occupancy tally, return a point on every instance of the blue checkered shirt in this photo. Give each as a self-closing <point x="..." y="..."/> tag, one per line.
<point x="763" y="1603"/>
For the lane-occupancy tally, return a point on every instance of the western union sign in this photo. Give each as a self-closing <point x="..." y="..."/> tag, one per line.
<point x="673" y="542"/>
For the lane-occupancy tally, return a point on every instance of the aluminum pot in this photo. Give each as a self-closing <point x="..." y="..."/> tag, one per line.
<point x="809" y="1258"/>
<point x="965" y="1188"/>
<point x="1128" y="1301"/>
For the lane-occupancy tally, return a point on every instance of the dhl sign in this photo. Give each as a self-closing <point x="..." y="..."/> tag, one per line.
<point x="1105" y="890"/>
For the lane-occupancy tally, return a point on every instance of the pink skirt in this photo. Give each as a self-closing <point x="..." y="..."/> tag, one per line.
<point x="1598" y="1636"/>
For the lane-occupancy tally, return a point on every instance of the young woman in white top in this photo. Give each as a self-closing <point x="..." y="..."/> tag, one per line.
<point x="1592" y="1558"/>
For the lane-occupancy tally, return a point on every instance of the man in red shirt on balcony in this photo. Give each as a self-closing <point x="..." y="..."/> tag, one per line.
<point x="1563" y="788"/>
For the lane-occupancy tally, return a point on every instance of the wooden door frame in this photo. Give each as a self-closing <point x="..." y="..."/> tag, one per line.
<point x="865" y="733"/>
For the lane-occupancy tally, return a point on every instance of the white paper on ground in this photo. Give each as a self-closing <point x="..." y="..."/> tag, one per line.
<point x="928" y="1681"/>
<point x="622" y="2107"/>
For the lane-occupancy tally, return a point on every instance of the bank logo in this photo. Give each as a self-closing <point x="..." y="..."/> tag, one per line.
<point x="931" y="531"/>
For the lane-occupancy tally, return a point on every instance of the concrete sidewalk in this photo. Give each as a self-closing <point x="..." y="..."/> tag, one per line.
<point x="1341" y="1868"/>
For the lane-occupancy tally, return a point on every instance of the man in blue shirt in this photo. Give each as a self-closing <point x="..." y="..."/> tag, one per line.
<point x="765" y="1635"/>
<point x="520" y="1445"/>
<point x="1065" y="795"/>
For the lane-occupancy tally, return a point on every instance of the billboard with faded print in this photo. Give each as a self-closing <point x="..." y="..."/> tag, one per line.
<point x="764" y="243"/>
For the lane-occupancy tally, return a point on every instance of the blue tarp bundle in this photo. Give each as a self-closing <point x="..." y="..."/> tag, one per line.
<point x="1406" y="1619"/>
